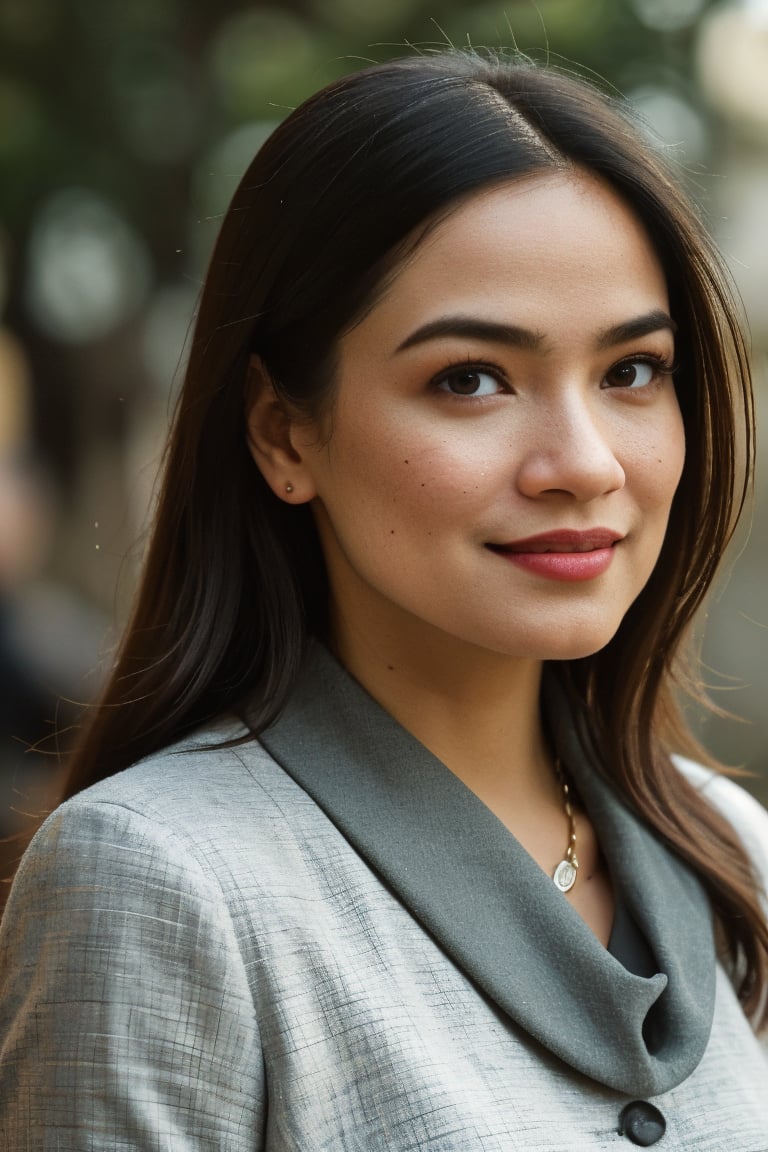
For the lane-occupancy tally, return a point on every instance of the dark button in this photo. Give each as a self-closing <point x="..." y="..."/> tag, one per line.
<point x="642" y="1123"/>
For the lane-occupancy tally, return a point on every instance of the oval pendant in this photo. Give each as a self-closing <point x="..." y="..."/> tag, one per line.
<point x="565" y="875"/>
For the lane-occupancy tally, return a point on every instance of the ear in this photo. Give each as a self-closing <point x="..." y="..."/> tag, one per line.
<point x="271" y="431"/>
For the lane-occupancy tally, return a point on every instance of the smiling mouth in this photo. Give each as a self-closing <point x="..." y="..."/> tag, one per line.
<point x="567" y="556"/>
<point x="564" y="541"/>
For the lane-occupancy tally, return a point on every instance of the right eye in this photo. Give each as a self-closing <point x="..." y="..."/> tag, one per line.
<point x="469" y="380"/>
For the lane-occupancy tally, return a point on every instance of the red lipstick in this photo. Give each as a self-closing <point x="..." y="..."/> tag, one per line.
<point x="566" y="554"/>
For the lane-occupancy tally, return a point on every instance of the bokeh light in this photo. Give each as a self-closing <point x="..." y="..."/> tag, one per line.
<point x="668" y="15"/>
<point x="165" y="331"/>
<point x="733" y="61"/>
<point x="214" y="181"/>
<point x="673" y="120"/>
<point x="156" y="102"/>
<point x="265" y="56"/>
<point x="88" y="270"/>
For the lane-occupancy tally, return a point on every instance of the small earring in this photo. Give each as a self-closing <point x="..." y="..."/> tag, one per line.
<point x="289" y="488"/>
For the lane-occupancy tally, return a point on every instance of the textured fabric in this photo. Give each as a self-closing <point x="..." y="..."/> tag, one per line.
<point x="627" y="943"/>
<point x="195" y="957"/>
<point x="479" y="893"/>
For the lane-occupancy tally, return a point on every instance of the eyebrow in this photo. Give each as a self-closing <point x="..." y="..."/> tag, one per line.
<point x="490" y="331"/>
<point x="656" y="321"/>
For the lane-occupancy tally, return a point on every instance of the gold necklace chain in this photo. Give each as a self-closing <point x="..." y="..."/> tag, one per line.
<point x="565" y="873"/>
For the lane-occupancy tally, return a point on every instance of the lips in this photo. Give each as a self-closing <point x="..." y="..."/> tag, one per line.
<point x="566" y="555"/>
<point x="563" y="540"/>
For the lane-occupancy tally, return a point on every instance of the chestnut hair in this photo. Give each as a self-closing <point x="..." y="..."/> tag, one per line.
<point x="234" y="580"/>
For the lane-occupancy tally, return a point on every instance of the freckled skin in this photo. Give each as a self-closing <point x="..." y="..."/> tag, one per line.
<point x="416" y="481"/>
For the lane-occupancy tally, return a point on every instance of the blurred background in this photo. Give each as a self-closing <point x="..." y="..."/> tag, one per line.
<point x="123" y="130"/>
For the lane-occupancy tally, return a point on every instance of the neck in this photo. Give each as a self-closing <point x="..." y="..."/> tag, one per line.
<point x="476" y="710"/>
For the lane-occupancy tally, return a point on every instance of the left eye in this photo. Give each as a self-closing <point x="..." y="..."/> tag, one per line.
<point x="632" y="374"/>
<point x="468" y="382"/>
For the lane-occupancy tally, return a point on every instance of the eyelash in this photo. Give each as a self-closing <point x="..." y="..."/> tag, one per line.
<point x="467" y="367"/>
<point x="662" y="367"/>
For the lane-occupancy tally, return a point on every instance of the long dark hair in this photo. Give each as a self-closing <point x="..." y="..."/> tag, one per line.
<point x="234" y="580"/>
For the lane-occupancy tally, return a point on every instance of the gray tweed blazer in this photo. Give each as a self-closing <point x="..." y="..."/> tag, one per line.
<point x="323" y="941"/>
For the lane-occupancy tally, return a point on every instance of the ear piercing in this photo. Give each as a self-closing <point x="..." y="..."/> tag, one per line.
<point x="289" y="488"/>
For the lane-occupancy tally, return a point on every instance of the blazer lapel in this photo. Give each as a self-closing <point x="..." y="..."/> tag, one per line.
<point x="475" y="889"/>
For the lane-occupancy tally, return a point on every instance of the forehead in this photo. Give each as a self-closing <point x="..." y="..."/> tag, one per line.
<point x="544" y="247"/>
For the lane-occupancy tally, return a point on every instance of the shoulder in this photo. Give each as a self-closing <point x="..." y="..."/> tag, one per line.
<point x="204" y="781"/>
<point x="197" y="813"/>
<point x="747" y="816"/>
<point x="121" y="959"/>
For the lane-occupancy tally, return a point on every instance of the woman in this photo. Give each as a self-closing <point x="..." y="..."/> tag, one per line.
<point x="453" y="467"/>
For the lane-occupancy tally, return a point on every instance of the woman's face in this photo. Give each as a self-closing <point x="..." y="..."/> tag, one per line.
<point x="505" y="441"/>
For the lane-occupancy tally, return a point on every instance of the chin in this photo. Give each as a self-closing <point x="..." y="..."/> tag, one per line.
<point x="574" y="645"/>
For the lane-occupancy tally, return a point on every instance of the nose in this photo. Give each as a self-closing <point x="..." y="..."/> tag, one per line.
<point x="570" y="452"/>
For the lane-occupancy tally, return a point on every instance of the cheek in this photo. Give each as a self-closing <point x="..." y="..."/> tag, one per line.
<point x="407" y="471"/>
<point x="657" y="464"/>
<point x="671" y="457"/>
